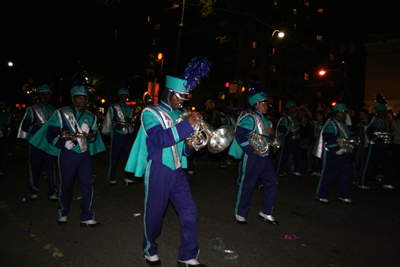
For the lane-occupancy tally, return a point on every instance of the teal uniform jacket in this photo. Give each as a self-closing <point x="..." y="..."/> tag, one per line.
<point x="35" y="117"/>
<point x="52" y="143"/>
<point x="144" y="149"/>
<point x="247" y="122"/>
<point x="116" y="116"/>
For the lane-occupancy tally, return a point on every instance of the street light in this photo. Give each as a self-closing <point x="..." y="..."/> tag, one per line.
<point x="280" y="35"/>
<point x="10" y="64"/>
<point x="323" y="72"/>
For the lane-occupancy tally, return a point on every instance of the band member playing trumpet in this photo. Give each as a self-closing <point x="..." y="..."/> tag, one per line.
<point x="254" y="165"/>
<point x="35" y="117"/>
<point x="377" y="149"/>
<point x="337" y="163"/>
<point x="71" y="134"/>
<point x="120" y="125"/>
<point x="288" y="125"/>
<point x="159" y="153"/>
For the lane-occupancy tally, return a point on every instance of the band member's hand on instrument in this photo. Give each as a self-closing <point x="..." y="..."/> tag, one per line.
<point x="270" y="131"/>
<point x="256" y="152"/>
<point x="189" y="145"/>
<point x="69" y="144"/>
<point x="194" y="117"/>
<point x="85" y="128"/>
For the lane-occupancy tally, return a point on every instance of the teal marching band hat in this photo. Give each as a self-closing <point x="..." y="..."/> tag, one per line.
<point x="380" y="107"/>
<point x="290" y="104"/>
<point x="197" y="68"/>
<point x="79" y="90"/>
<point x="123" y="91"/>
<point x="232" y="108"/>
<point x="257" y="93"/>
<point x="178" y="86"/>
<point x="43" y="89"/>
<point x="338" y="107"/>
<point x="258" y="97"/>
<point x="382" y="102"/>
<point x="80" y="84"/>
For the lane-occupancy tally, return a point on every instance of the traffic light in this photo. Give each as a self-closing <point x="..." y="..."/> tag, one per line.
<point x="160" y="56"/>
<point x="150" y="63"/>
<point x="158" y="64"/>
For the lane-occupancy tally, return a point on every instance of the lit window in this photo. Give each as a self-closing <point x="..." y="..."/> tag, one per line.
<point x="294" y="11"/>
<point x="295" y="26"/>
<point x="319" y="37"/>
<point x="157" y="27"/>
<point x="332" y="56"/>
<point x="273" y="52"/>
<point x="272" y="67"/>
<point x="275" y="2"/>
<point x="254" y="45"/>
<point x="306" y="76"/>
<point x="306" y="2"/>
<point x="321" y="10"/>
<point x="148" y="18"/>
<point x="175" y="5"/>
<point x="254" y="62"/>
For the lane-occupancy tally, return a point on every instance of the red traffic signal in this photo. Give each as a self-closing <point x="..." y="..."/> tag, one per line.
<point x="160" y="56"/>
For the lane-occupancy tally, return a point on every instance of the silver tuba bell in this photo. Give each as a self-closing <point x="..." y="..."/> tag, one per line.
<point x="348" y="144"/>
<point x="203" y="135"/>
<point x="385" y="136"/>
<point x="262" y="142"/>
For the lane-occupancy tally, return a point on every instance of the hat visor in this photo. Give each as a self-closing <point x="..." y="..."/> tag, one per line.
<point x="181" y="96"/>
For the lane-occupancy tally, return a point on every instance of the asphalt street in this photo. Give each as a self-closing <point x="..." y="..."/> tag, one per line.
<point x="365" y="233"/>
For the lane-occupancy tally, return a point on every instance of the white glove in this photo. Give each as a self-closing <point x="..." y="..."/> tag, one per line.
<point x="348" y="119"/>
<point x="69" y="144"/>
<point x="339" y="152"/>
<point x="85" y="128"/>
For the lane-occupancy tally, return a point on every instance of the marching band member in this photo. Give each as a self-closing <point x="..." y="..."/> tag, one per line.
<point x="120" y="125"/>
<point x="377" y="151"/>
<point x="159" y="152"/>
<point x="71" y="133"/>
<point x="35" y="117"/>
<point x="254" y="165"/>
<point x="337" y="163"/>
<point x="288" y="126"/>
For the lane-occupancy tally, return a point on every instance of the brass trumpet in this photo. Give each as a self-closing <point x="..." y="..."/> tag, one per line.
<point x="348" y="144"/>
<point x="262" y="142"/>
<point x="385" y="136"/>
<point x="203" y="135"/>
<point x="67" y="135"/>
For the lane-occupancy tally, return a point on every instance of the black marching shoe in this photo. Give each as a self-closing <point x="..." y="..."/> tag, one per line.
<point x="267" y="218"/>
<point x="190" y="263"/>
<point x="152" y="260"/>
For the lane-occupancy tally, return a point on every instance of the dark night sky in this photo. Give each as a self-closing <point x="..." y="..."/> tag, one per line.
<point x="58" y="36"/>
